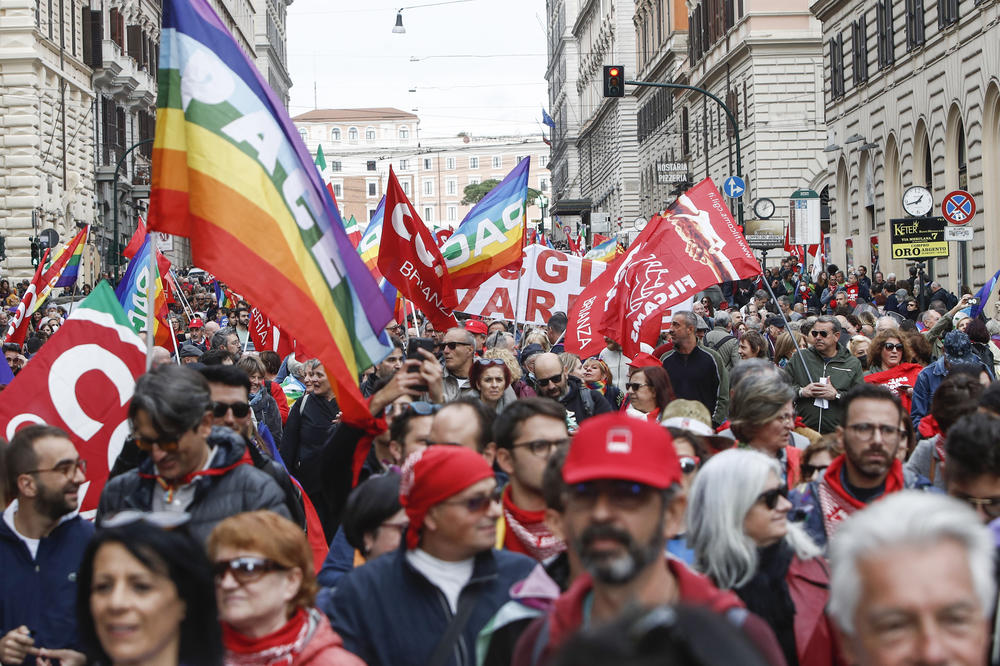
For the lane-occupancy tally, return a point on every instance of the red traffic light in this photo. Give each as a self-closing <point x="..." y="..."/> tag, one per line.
<point x="613" y="71"/>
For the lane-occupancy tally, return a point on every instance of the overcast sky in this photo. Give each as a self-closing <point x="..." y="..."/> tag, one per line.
<point x="349" y="51"/>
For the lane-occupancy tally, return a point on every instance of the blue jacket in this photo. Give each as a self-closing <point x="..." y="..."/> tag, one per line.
<point x="389" y="614"/>
<point x="41" y="593"/>
<point x="927" y="383"/>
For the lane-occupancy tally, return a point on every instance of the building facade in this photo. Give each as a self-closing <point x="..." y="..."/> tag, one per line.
<point x="912" y="93"/>
<point x="359" y="146"/>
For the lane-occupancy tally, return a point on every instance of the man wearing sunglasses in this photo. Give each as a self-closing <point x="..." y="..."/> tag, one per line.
<point x="552" y="381"/>
<point x="42" y="540"/>
<point x="867" y="470"/>
<point x="459" y="351"/>
<point x="822" y="374"/>
<point x="426" y="602"/>
<point x="623" y="500"/>
<point x="192" y="466"/>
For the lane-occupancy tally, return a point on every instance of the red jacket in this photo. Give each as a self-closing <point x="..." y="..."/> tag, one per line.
<point x="692" y="588"/>
<point x="326" y="648"/>
<point x="815" y="639"/>
<point x="279" y="397"/>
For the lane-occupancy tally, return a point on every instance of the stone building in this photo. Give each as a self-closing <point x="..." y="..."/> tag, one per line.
<point x="912" y="98"/>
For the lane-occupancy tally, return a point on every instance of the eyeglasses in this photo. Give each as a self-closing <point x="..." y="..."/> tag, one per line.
<point x="819" y="334"/>
<point x="809" y="470"/>
<point x="865" y="431"/>
<point x="893" y="346"/>
<point x="634" y="386"/>
<point x="480" y="503"/>
<point x="989" y="505"/>
<point x="770" y="497"/>
<point x="240" y="409"/>
<point x="67" y="468"/>
<point x="545" y="381"/>
<point x="620" y="493"/>
<point x="167" y="443"/>
<point x="542" y="447"/>
<point x="245" y="569"/>
<point x="689" y="464"/>
<point x="490" y="361"/>
<point x="454" y="345"/>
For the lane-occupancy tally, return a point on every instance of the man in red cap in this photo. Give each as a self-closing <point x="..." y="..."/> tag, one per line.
<point x="196" y="334"/>
<point x="478" y="330"/>
<point x="623" y="501"/>
<point x="426" y="602"/>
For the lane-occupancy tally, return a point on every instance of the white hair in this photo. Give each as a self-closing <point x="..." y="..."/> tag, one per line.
<point x="725" y="490"/>
<point x="906" y="519"/>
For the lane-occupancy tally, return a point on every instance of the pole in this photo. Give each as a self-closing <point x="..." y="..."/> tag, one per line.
<point x="114" y="202"/>
<point x="150" y="306"/>
<point x="798" y="349"/>
<point x="729" y="115"/>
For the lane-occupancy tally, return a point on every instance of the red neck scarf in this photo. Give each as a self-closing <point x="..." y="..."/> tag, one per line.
<point x="527" y="532"/>
<point x="279" y="647"/>
<point x="171" y="486"/>
<point x="837" y="504"/>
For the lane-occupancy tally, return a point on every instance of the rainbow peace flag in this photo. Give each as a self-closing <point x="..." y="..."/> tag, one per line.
<point x="606" y="251"/>
<point x="231" y="173"/>
<point x="371" y="239"/>
<point x="491" y="236"/>
<point x="141" y="281"/>
<point x="60" y="279"/>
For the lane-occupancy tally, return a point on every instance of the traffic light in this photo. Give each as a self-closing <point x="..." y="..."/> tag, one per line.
<point x="36" y="252"/>
<point x="614" y="81"/>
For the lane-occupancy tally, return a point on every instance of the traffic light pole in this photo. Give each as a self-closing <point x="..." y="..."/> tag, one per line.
<point x="114" y="196"/>
<point x="732" y="121"/>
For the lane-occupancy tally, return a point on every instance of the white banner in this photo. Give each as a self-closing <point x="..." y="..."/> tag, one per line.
<point x="549" y="281"/>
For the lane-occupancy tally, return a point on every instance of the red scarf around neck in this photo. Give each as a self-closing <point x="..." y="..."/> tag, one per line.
<point x="837" y="504"/>
<point x="527" y="532"/>
<point x="282" y="643"/>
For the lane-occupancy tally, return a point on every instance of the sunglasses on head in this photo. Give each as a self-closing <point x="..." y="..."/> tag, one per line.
<point x="489" y="361"/>
<point x="893" y="346"/>
<point x="245" y="569"/>
<point x="545" y="381"/>
<point x="240" y="409"/>
<point x="819" y="334"/>
<point x="454" y="345"/>
<point x="770" y="497"/>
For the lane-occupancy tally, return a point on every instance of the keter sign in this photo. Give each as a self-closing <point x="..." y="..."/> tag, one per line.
<point x="958" y="207"/>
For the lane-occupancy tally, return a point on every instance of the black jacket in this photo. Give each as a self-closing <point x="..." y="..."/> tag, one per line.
<point x="577" y="405"/>
<point x="702" y="376"/>
<point x="238" y="487"/>
<point x="310" y="423"/>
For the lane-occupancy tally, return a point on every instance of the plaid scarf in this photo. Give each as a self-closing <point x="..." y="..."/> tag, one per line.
<point x="837" y="504"/>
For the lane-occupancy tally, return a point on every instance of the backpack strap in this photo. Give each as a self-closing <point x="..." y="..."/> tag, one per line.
<point x="588" y="401"/>
<point x="723" y="341"/>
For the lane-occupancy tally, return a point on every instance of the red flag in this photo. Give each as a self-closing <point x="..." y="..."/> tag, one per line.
<point x="410" y="259"/>
<point x="695" y="246"/>
<point x="267" y="336"/>
<point x="793" y="249"/>
<point x="137" y="239"/>
<point x="573" y="247"/>
<point x="82" y="381"/>
<point x="897" y="379"/>
<point x="18" y="327"/>
<point x="600" y="238"/>
<point x="441" y="235"/>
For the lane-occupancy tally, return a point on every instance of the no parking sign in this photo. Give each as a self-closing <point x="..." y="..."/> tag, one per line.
<point x="958" y="207"/>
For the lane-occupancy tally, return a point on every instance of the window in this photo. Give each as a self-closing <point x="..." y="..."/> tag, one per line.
<point x="352" y="135"/>
<point x="427" y="164"/>
<point x="859" y="51"/>
<point x="497" y="162"/>
<point x="117" y="22"/>
<point x="452" y="187"/>
<point x="336" y="166"/>
<point x="521" y="157"/>
<point x="685" y="133"/>
<point x="428" y="214"/>
<point x="449" y="163"/>
<point x="947" y="12"/>
<point x="452" y="214"/>
<point x="886" y="36"/>
<point x="93" y="36"/>
<point x="404" y="165"/>
<point x="371" y="213"/>
<point x="404" y="134"/>
<point x="370" y="165"/>
<point x="335" y="134"/>
<point x="304" y="133"/>
<point x="406" y="187"/>
<point x="837" y="66"/>
<point x="428" y="186"/>
<point x="372" y="188"/>
<point x="473" y="162"/>
<point x="475" y="180"/>
<point x="370" y="134"/>
<point x="338" y="190"/>
<point x="914" y="24"/>
<point x="543" y="184"/>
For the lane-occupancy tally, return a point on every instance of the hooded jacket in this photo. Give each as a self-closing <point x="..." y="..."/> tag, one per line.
<point x="844" y="371"/>
<point x="230" y="486"/>
<point x="578" y="407"/>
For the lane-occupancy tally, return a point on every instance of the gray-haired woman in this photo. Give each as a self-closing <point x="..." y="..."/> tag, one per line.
<point x="762" y="413"/>
<point x="738" y="528"/>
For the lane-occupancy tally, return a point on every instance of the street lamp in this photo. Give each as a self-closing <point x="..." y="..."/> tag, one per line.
<point x="114" y="196"/>
<point x="543" y="203"/>
<point x="398" y="29"/>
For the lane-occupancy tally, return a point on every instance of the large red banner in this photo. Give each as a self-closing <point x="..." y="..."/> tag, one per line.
<point x="695" y="245"/>
<point x="268" y="337"/>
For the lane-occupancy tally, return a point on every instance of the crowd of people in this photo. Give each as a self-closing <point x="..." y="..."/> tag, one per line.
<point x="811" y="480"/>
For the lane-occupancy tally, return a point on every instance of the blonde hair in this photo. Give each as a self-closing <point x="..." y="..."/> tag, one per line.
<point x="537" y="337"/>
<point x="508" y="358"/>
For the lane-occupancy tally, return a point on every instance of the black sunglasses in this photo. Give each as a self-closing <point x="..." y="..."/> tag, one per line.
<point x="893" y="346"/>
<point x="634" y="386"/>
<point x="809" y="470"/>
<point x="490" y="361"/>
<point x="770" y="497"/>
<point x="240" y="409"/>
<point x="454" y="345"/>
<point x="545" y="381"/>
<point x="817" y="334"/>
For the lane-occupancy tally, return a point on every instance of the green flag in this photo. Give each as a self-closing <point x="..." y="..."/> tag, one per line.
<point x="320" y="159"/>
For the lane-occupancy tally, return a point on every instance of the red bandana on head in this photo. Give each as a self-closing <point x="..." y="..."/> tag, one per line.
<point x="433" y="476"/>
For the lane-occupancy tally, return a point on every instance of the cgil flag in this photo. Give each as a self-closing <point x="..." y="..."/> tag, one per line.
<point x="17" y="329"/>
<point x="138" y="238"/>
<point x="266" y="336"/>
<point x="491" y="236"/>
<point x="231" y="173"/>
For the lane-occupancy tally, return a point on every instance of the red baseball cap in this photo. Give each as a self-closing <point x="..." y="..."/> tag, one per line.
<point x="475" y="326"/>
<point x="196" y="323"/>
<point x="644" y="360"/>
<point x="618" y="446"/>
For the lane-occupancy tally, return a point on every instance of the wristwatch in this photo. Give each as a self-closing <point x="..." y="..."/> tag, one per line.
<point x="837" y="397"/>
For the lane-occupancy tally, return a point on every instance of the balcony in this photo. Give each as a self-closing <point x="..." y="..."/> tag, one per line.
<point x="121" y="77"/>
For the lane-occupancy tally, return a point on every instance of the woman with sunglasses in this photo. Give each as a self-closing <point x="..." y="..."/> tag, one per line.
<point x="144" y="595"/>
<point x="265" y="587"/>
<point x="762" y="416"/>
<point x="491" y="378"/>
<point x="888" y="365"/>
<point x="738" y="526"/>
<point x="649" y="391"/>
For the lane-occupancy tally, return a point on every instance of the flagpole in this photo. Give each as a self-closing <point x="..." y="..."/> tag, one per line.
<point x="787" y="327"/>
<point x="177" y="350"/>
<point x="524" y="240"/>
<point x="150" y="307"/>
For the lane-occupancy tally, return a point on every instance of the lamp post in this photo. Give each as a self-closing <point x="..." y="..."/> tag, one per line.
<point x="114" y="206"/>
<point x="543" y="203"/>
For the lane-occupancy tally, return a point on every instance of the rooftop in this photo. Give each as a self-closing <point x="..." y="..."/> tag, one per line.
<point x="354" y="115"/>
